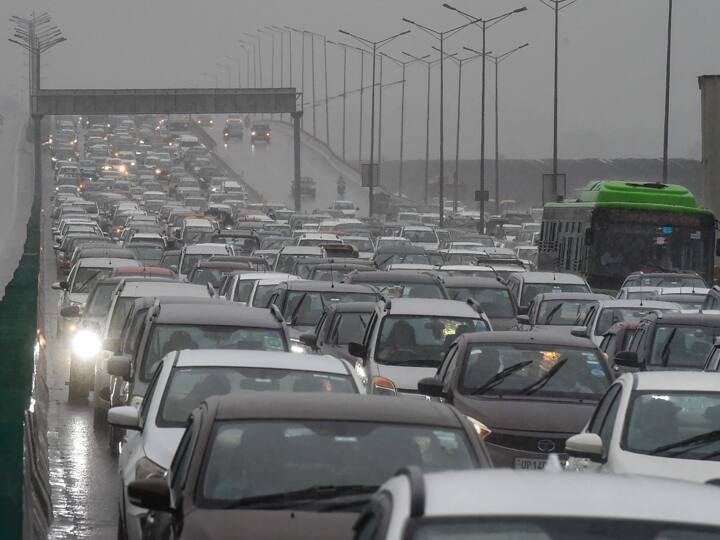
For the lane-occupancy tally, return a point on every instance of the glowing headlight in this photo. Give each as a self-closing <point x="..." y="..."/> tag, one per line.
<point x="132" y="163"/>
<point x="86" y="344"/>
<point x="481" y="429"/>
<point x="252" y="133"/>
<point x="122" y="168"/>
<point x="157" y="171"/>
<point x="297" y="347"/>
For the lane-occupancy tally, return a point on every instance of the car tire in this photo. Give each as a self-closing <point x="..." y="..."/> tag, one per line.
<point x="114" y="439"/>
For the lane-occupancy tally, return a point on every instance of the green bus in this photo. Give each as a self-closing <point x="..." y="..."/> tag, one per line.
<point x="614" y="228"/>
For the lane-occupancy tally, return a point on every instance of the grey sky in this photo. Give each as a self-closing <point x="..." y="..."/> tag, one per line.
<point x="612" y="64"/>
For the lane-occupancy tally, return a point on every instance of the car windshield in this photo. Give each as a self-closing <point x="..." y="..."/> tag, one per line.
<point x="188" y="387"/>
<point x="86" y="278"/>
<point x="665" y="281"/>
<point x="495" y="302"/>
<point x="681" y="425"/>
<point x="531" y="290"/>
<point x="148" y="254"/>
<point x="557" y="528"/>
<point x="98" y="303"/>
<point x="610" y="316"/>
<point x="421" y="340"/>
<point x="190" y="260"/>
<point x="580" y="375"/>
<point x="421" y="236"/>
<point x="286" y="262"/>
<point x="563" y="312"/>
<point x="251" y="459"/>
<point x="213" y="276"/>
<point x="361" y="244"/>
<point x="682" y="346"/>
<point x="262" y="295"/>
<point x="304" y="308"/>
<point x="408" y="290"/>
<point x="165" y="338"/>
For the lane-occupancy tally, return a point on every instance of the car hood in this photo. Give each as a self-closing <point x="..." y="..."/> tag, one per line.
<point x="405" y="377"/>
<point x="161" y="448"/>
<point x="527" y="414"/>
<point x="693" y="470"/>
<point x="267" y="525"/>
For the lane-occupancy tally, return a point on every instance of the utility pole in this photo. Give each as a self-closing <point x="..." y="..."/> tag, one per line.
<point x="379" y="180"/>
<point x="375" y="45"/>
<point x="484" y="24"/>
<point x="666" y="131"/>
<point x="302" y="71"/>
<point x="345" y="48"/>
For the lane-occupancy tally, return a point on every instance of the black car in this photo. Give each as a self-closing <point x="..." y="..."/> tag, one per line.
<point x="492" y="295"/>
<point x="548" y="310"/>
<point x="298" y="466"/>
<point x="402" y="283"/>
<point x="338" y="326"/>
<point x="337" y="270"/>
<point x="260" y="132"/>
<point x="671" y="341"/>
<point x="530" y="390"/>
<point x="233" y="130"/>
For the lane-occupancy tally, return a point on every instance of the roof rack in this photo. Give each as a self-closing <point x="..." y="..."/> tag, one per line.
<point x="417" y="489"/>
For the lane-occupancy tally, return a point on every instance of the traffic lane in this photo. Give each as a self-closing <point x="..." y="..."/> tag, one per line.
<point x="83" y="474"/>
<point x="269" y="169"/>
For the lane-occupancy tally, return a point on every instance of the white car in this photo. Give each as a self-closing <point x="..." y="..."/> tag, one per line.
<point x="199" y="252"/>
<point x="538" y="505"/>
<point x="421" y="235"/>
<point x="655" y="424"/>
<point x="185" y="380"/>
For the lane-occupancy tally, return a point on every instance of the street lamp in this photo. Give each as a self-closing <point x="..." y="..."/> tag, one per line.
<point x="441" y="35"/>
<point x="402" y="111"/>
<point x="239" y="68"/>
<point x="666" y="132"/>
<point x="497" y="60"/>
<point x="227" y="70"/>
<point x="375" y="45"/>
<point x="556" y="6"/>
<point x="302" y="71"/>
<point x="428" y="64"/>
<point x="272" y="54"/>
<point x="345" y="48"/>
<point x="244" y="46"/>
<point x="258" y="39"/>
<point x="484" y="24"/>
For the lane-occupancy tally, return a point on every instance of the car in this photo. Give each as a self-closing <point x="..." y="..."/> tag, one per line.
<point x="531" y="390"/>
<point x="602" y="315"/>
<point x="271" y="467"/>
<point x="553" y="310"/>
<point x="260" y="132"/>
<point x="671" y="341"/>
<point x="194" y="253"/>
<point x="467" y="270"/>
<point x="637" y="293"/>
<point x="527" y="285"/>
<point x="214" y="272"/>
<point x="492" y="295"/>
<point x="241" y="286"/>
<point x="654" y="424"/>
<point x="183" y="381"/>
<point x="148" y="253"/>
<point x="421" y="236"/>
<point x="338" y="269"/>
<point x="343" y="209"/>
<point x="443" y="505"/>
<point x="233" y="130"/>
<point x="688" y="298"/>
<point x="401" y="283"/>
<point x="664" y="279"/>
<point x="339" y="325"/>
<point x="403" y="254"/>
<point x="406" y="339"/>
<point x="289" y="255"/>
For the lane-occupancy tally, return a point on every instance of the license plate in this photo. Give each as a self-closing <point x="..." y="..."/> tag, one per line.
<point x="530" y="463"/>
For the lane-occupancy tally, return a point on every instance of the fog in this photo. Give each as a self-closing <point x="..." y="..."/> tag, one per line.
<point x="612" y="65"/>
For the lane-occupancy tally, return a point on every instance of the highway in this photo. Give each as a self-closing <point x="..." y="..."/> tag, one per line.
<point x="269" y="168"/>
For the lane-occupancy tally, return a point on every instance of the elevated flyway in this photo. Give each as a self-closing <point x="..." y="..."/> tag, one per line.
<point x="268" y="169"/>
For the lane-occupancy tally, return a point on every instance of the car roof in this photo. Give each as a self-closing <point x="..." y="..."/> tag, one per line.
<point x="431" y="306"/>
<point x="106" y="262"/>
<point x="301" y="250"/>
<point x="308" y="285"/>
<point x="352" y="307"/>
<point x="691" y="319"/>
<point x="162" y="288"/>
<point x="675" y="381"/>
<point x="550" y="277"/>
<point x="636" y="303"/>
<point x="217" y="313"/>
<point x="324" y="406"/>
<point x="572" y="296"/>
<point x="206" y="249"/>
<point x="394" y="276"/>
<point x="549" y="337"/>
<point x="262" y="359"/>
<point x="469" y="281"/>
<point x="574" y="494"/>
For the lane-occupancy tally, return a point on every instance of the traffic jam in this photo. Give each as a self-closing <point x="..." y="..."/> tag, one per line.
<point x="265" y="373"/>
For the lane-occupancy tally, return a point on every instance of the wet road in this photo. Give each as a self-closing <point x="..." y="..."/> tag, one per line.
<point x="83" y="475"/>
<point x="269" y="168"/>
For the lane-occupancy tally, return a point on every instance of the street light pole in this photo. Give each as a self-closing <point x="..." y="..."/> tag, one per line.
<point x="259" y="55"/>
<point x="302" y="71"/>
<point x="375" y="45"/>
<point x="243" y="46"/>
<point x="666" y="132"/>
<point x="344" y="47"/>
<point x="484" y="24"/>
<point x="239" y="68"/>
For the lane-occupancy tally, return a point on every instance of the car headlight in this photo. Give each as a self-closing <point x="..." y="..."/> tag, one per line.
<point x="481" y="429"/>
<point x="297" y="347"/>
<point x="146" y="468"/>
<point x="86" y="344"/>
<point x="252" y="133"/>
<point x="157" y="171"/>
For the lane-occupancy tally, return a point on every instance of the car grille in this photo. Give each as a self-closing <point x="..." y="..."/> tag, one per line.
<point x="526" y="443"/>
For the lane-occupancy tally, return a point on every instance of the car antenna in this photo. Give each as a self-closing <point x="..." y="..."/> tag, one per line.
<point x="332" y="277"/>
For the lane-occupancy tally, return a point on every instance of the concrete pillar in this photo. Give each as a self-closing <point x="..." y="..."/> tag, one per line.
<point x="710" y="127"/>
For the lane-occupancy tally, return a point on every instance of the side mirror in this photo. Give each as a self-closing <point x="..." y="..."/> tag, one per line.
<point x="356" y="349"/>
<point x="523" y="319"/>
<point x="119" y="366"/>
<point x="585" y="445"/>
<point x="126" y="417"/>
<point x="581" y="332"/>
<point x="382" y="386"/>
<point x="60" y="286"/>
<point x="628" y="359"/>
<point x="431" y="386"/>
<point x="112" y="344"/>
<point x="522" y="310"/>
<point x="150" y="493"/>
<point x="309" y="340"/>
<point x="70" y="312"/>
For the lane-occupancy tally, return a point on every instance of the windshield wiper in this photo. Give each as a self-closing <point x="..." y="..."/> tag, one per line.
<point x="419" y="362"/>
<point x="294" y="313"/>
<point x="304" y="496"/>
<point x="542" y="381"/>
<point x="499" y="377"/>
<point x="552" y="313"/>
<point x="665" y="353"/>
<point x="693" y="442"/>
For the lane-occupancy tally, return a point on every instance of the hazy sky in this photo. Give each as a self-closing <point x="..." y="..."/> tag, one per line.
<point x="611" y="73"/>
